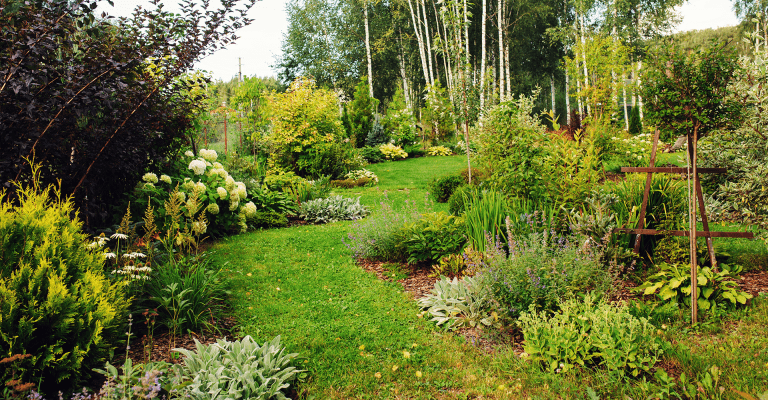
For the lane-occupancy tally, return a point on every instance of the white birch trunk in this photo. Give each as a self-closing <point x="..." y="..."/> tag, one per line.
<point x="429" y="43"/>
<point x="624" y="100"/>
<point x="419" y="41"/>
<point x="501" y="53"/>
<point x="508" y="77"/>
<point x="466" y="31"/>
<point x="368" y="50"/>
<point x="567" y="101"/>
<point x="552" y="88"/>
<point x="639" y="87"/>
<point x="584" y="57"/>
<point x="482" y="59"/>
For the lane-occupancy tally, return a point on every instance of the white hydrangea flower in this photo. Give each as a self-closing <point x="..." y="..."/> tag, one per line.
<point x="242" y="191"/>
<point x="234" y="196"/>
<point x="149" y="186"/>
<point x="149" y="177"/>
<point x="182" y="196"/>
<point x="166" y="179"/>
<point x="229" y="183"/>
<point x="218" y="165"/>
<point x="209" y="155"/>
<point x="189" y="153"/>
<point x="197" y="166"/>
<point x="222" y="192"/>
<point x="200" y="186"/>
<point x="249" y="209"/>
<point x="234" y="205"/>
<point x="223" y="174"/>
<point x="212" y="208"/>
<point x="208" y="164"/>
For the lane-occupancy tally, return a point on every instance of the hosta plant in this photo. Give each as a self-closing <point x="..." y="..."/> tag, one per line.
<point x="392" y="152"/>
<point x="237" y="370"/>
<point x="715" y="288"/>
<point x="362" y="173"/>
<point x="332" y="209"/>
<point x="457" y="303"/>
<point x="439" y="151"/>
<point x="590" y="333"/>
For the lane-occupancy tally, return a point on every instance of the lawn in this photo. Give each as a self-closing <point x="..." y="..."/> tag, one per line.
<point x="360" y="337"/>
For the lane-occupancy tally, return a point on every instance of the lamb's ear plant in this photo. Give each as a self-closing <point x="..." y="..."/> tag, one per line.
<point x="457" y="303"/>
<point x="241" y="369"/>
<point x="332" y="209"/>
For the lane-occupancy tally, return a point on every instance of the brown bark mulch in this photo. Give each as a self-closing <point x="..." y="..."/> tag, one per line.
<point x="754" y="282"/>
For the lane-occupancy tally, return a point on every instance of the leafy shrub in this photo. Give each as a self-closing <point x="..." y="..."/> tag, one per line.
<point x="589" y="333"/>
<point x="478" y="175"/>
<point x="399" y="121"/>
<point x="219" y="197"/>
<point x="542" y="269"/>
<point x="332" y="160"/>
<point x="458" y="265"/>
<point x="372" y="155"/>
<point x="272" y="200"/>
<point x="461" y="148"/>
<point x="362" y="173"/>
<point x="332" y="209"/>
<point x="392" y="152"/>
<point x="303" y="118"/>
<point x="310" y="190"/>
<point x="55" y="301"/>
<point x="632" y="151"/>
<point x="457" y="303"/>
<point x="241" y="369"/>
<point x="437" y="114"/>
<point x="351" y="183"/>
<point x="186" y="294"/>
<point x="442" y="188"/>
<point x="269" y="219"/>
<point x="415" y="150"/>
<point x="673" y="281"/>
<point x="379" y="236"/>
<point x="283" y="181"/>
<point x="439" y="151"/>
<point x="433" y="236"/>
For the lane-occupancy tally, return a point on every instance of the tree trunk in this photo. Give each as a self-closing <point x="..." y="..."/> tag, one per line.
<point x="567" y="101"/>
<point x="624" y="99"/>
<point x="584" y="56"/>
<point x="639" y="88"/>
<point x="368" y="50"/>
<point x="429" y="43"/>
<point x="482" y="59"/>
<point x="509" y="76"/>
<point x="501" y="53"/>
<point x="552" y="88"/>
<point x="419" y="40"/>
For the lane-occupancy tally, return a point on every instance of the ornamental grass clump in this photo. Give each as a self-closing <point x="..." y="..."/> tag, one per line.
<point x="55" y="301"/>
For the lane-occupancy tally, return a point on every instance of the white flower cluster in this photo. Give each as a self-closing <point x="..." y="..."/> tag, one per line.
<point x="189" y="153"/>
<point x="249" y="209"/>
<point x="197" y="166"/>
<point x="166" y="179"/>
<point x="222" y="192"/>
<point x="212" y="208"/>
<point x="149" y="177"/>
<point x="209" y="155"/>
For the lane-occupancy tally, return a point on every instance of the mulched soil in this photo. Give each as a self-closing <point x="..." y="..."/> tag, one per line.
<point x="418" y="283"/>
<point x="162" y="345"/>
<point x="754" y="282"/>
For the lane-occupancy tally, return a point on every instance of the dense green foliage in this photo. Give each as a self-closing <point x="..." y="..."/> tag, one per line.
<point x="432" y="236"/>
<point x="56" y="303"/>
<point x="362" y="116"/>
<point x="443" y="188"/>
<point x="591" y="333"/>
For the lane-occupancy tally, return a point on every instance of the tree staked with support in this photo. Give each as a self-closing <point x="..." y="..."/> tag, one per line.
<point x="687" y="95"/>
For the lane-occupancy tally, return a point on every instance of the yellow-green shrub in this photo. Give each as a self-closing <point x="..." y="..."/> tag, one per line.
<point x="55" y="301"/>
<point x="439" y="151"/>
<point x="392" y="152"/>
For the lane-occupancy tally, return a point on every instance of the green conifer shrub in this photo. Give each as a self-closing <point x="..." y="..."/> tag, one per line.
<point x="635" y="126"/>
<point x="56" y="302"/>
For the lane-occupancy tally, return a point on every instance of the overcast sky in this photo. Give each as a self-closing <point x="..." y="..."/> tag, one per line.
<point x="259" y="42"/>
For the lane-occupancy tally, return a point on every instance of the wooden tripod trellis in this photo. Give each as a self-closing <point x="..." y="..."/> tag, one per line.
<point x="640" y="230"/>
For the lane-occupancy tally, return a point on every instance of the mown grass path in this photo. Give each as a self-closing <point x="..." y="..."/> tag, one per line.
<point x="360" y="336"/>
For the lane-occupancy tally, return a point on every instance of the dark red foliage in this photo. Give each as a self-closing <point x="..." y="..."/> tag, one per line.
<point x="76" y="95"/>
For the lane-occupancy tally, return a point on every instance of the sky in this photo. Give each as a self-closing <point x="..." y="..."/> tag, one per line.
<point x="260" y="42"/>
